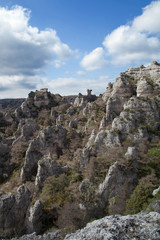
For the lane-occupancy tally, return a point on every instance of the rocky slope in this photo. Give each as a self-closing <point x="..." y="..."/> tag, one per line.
<point x="144" y="225"/>
<point x="67" y="160"/>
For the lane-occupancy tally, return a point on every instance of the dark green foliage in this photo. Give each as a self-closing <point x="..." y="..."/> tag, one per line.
<point x="151" y="162"/>
<point x="56" y="189"/>
<point x="139" y="199"/>
<point x="153" y="159"/>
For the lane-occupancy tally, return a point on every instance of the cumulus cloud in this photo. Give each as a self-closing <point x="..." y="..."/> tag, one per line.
<point x="66" y="86"/>
<point x="94" y="60"/>
<point x="25" y="50"/>
<point x="149" y="21"/>
<point x="125" y="45"/>
<point x="134" y="42"/>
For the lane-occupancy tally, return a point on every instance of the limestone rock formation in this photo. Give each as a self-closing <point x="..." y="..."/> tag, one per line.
<point x="13" y="210"/>
<point x="118" y="184"/>
<point x="34" y="218"/>
<point x="36" y="101"/>
<point x="48" y="167"/>
<point x="83" y="157"/>
<point x="142" y="81"/>
<point x="50" y="140"/>
<point x="140" y="226"/>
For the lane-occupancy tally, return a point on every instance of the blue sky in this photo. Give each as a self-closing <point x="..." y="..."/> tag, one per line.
<point x="71" y="45"/>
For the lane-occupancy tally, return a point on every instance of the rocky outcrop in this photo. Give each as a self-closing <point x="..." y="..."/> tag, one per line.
<point x="26" y="128"/>
<point x="34" y="218"/>
<point x="48" y="167"/>
<point x="141" y="226"/>
<point x="13" y="210"/>
<point x="142" y="82"/>
<point x="116" y="188"/>
<point x="36" y="101"/>
<point x="82" y="100"/>
<point x="50" y="140"/>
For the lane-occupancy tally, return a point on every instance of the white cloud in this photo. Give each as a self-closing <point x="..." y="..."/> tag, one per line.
<point x="149" y="21"/>
<point x="134" y="43"/>
<point x="25" y="50"/>
<point x="94" y="60"/>
<point x="81" y="73"/>
<point x="17" y="86"/>
<point x="131" y="43"/>
<point x="125" y="45"/>
<point x="66" y="86"/>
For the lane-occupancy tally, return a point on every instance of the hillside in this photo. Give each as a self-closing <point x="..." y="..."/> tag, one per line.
<point x="10" y="104"/>
<point x="65" y="161"/>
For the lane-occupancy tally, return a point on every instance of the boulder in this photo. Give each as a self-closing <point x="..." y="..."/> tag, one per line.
<point x="140" y="226"/>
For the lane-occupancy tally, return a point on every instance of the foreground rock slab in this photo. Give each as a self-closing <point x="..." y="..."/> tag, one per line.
<point x="140" y="226"/>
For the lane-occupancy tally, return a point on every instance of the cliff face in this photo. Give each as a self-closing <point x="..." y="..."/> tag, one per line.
<point x="81" y="157"/>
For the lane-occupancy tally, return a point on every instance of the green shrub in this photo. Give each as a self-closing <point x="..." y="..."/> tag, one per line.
<point x="54" y="190"/>
<point x="152" y="157"/>
<point x="139" y="199"/>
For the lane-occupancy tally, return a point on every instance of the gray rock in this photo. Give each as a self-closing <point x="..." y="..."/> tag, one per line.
<point x="13" y="210"/>
<point x="157" y="190"/>
<point x="26" y="128"/>
<point x="48" y="167"/>
<point x="103" y="123"/>
<point x="144" y="89"/>
<point x="79" y="101"/>
<point x="85" y="185"/>
<point x="131" y="153"/>
<point x="60" y="119"/>
<point x="47" y="236"/>
<point x="88" y="109"/>
<point x="73" y="123"/>
<point x="140" y="226"/>
<point x="143" y="80"/>
<point x="91" y="139"/>
<point x="119" y="181"/>
<point x="108" y="91"/>
<point x="111" y="138"/>
<point x="70" y="111"/>
<point x="114" y="106"/>
<point x="41" y="99"/>
<point x="50" y="140"/>
<point x="154" y="206"/>
<point x="29" y="128"/>
<point x="34" y="218"/>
